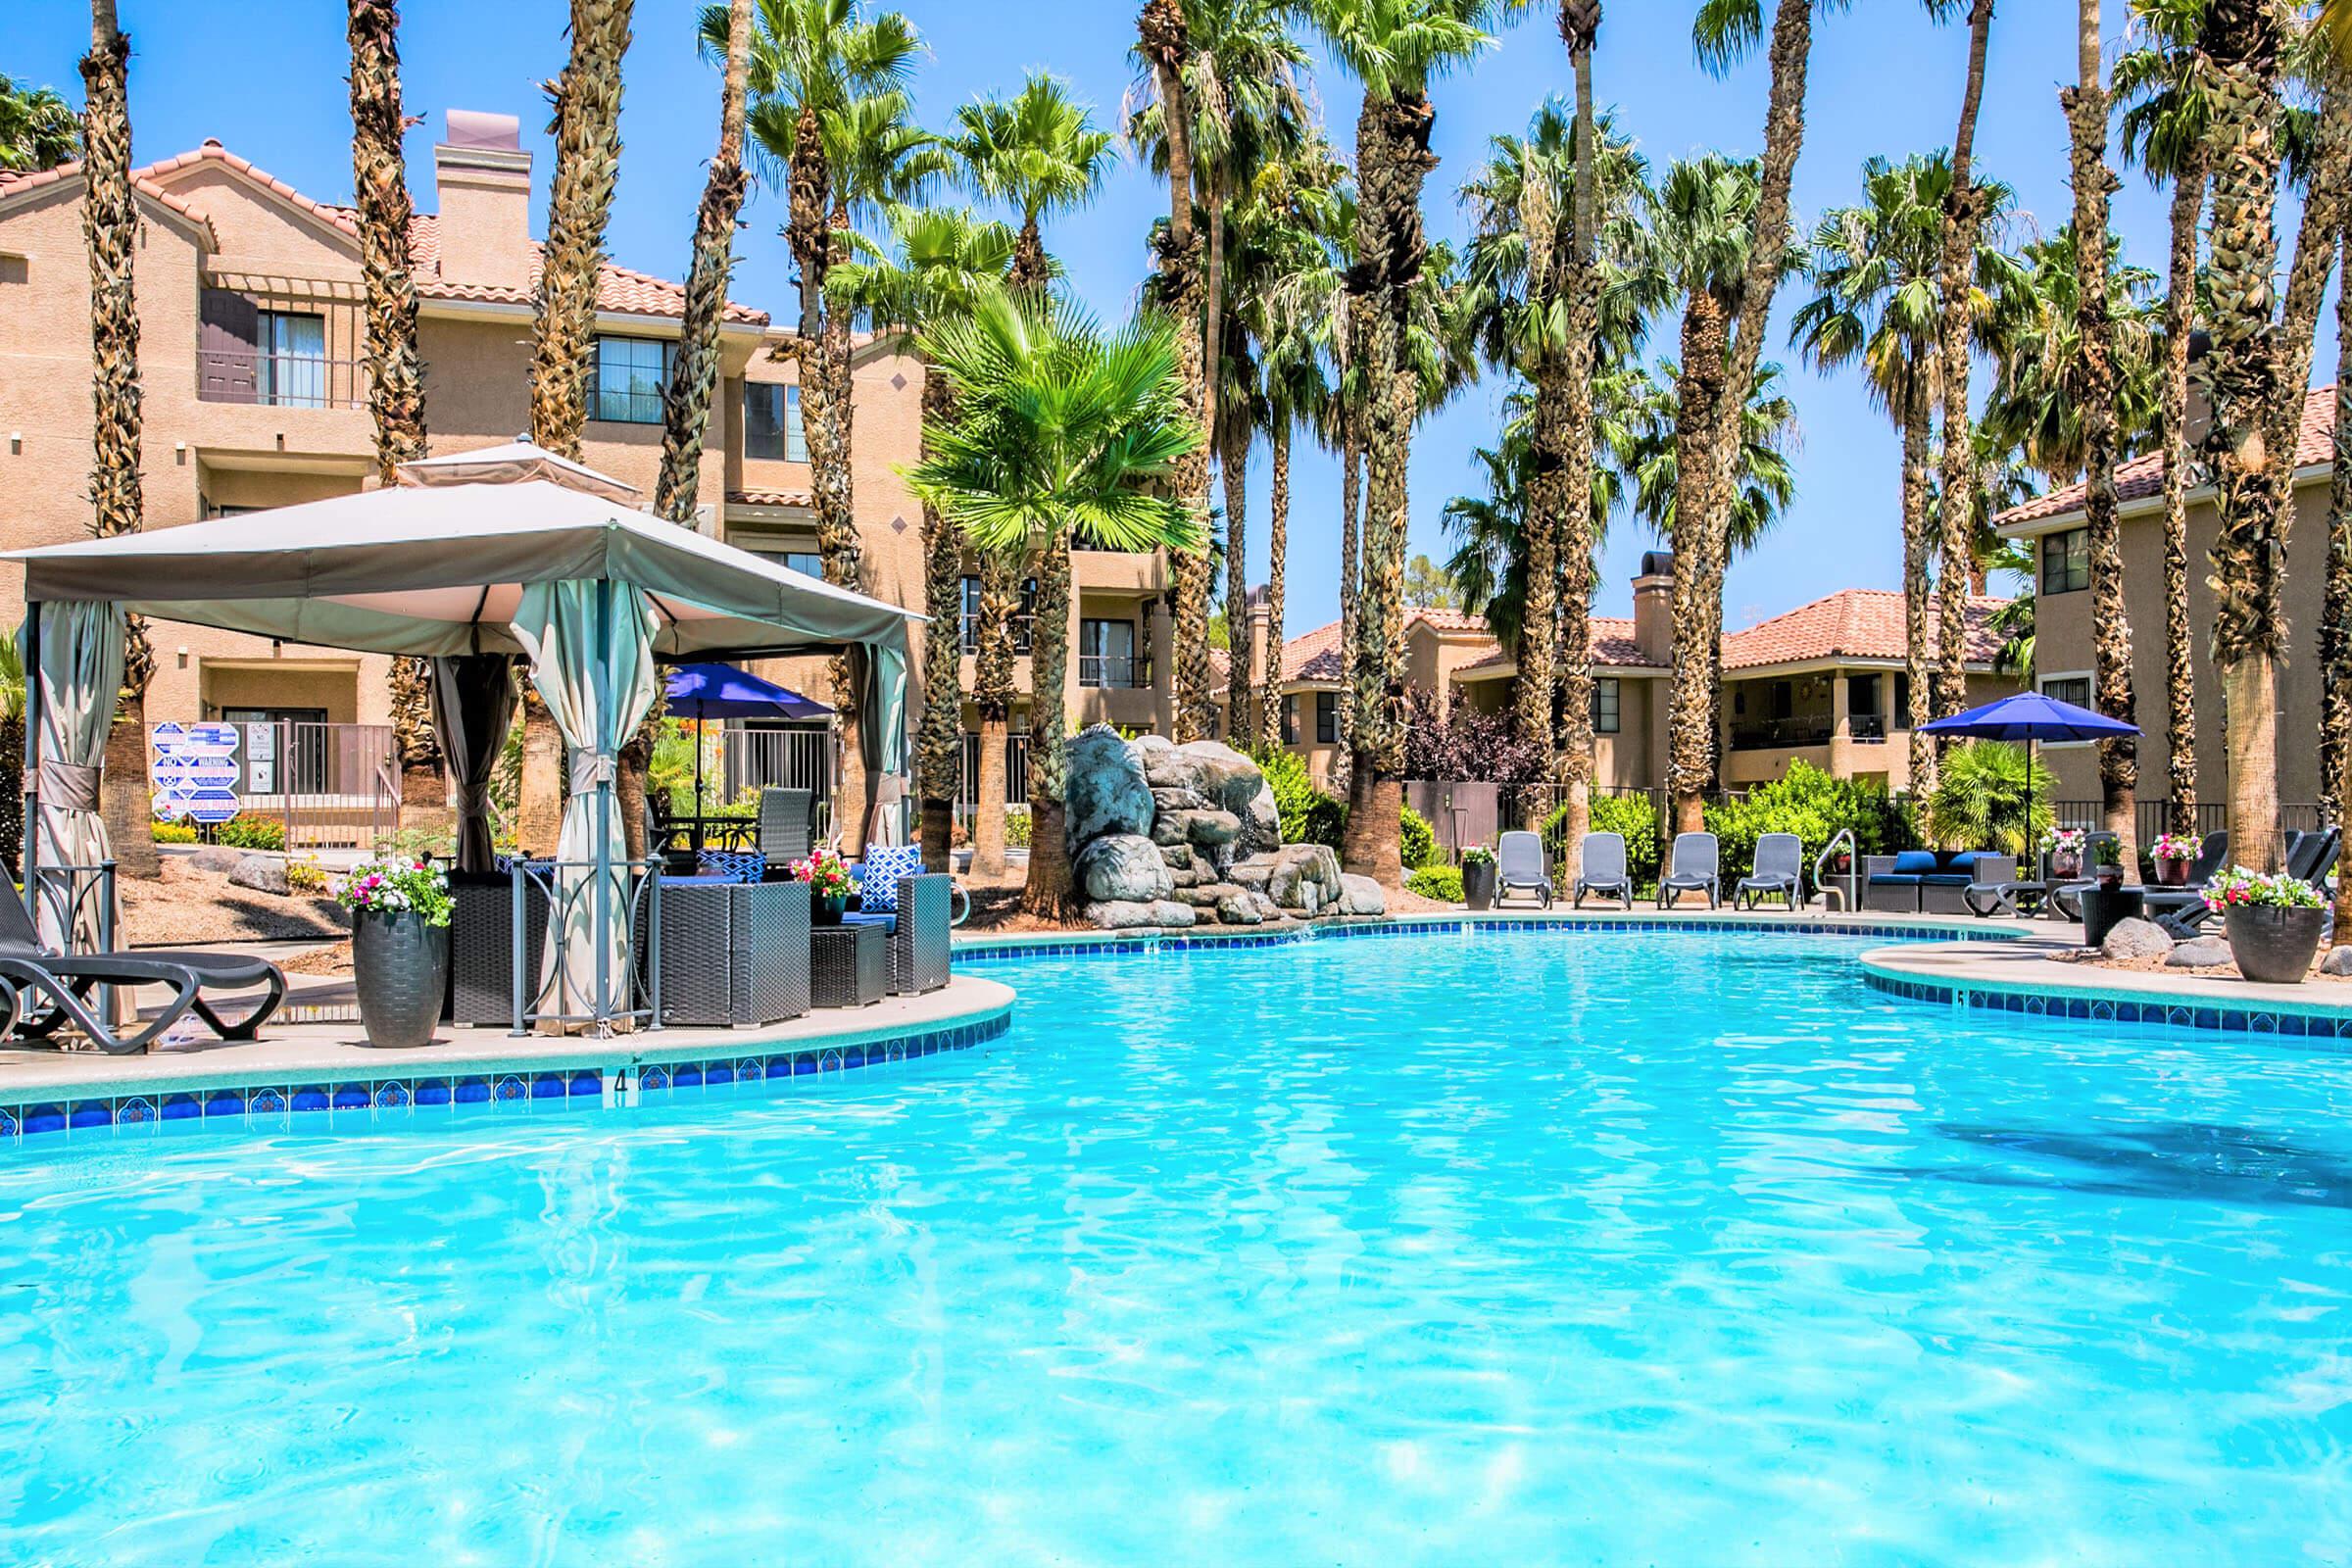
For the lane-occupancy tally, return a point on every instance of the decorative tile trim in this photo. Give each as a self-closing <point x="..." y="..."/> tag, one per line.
<point x="2107" y="1007"/>
<point x="621" y="1084"/>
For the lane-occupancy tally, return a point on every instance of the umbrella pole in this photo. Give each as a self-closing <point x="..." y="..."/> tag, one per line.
<point x="697" y="786"/>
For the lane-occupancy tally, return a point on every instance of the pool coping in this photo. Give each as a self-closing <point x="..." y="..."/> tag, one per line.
<point x="290" y="1075"/>
<point x="2028" y="979"/>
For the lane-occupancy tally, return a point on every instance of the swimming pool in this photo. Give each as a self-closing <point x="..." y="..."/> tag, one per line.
<point x="1606" y="1247"/>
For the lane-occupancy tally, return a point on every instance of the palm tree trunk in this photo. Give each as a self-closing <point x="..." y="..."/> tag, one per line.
<point x="587" y="132"/>
<point x="841" y="546"/>
<point x="1963" y="214"/>
<point x="938" y="742"/>
<point x="1918" y="547"/>
<point x="1031" y="269"/>
<point x="686" y="400"/>
<point x="110" y="222"/>
<point x="2335" y="619"/>
<point x="1160" y="28"/>
<point x="1690" y="707"/>
<point x="2180" y="660"/>
<point x="1580" y="22"/>
<point x="2111" y="627"/>
<point x="1352" y="486"/>
<point x="1539" y="542"/>
<point x="395" y="373"/>
<point x="1278" y="544"/>
<point x="1241" y="682"/>
<point x="992" y="694"/>
<point x="1048" y="891"/>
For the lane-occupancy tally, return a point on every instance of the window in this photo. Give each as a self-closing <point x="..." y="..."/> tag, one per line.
<point x="772" y="423"/>
<point x="1290" y="719"/>
<point x="629" y="374"/>
<point x="1107" y="655"/>
<point x="2066" y="562"/>
<point x="292" y="369"/>
<point x="1326" y="719"/>
<point x="1604" y="706"/>
<point x="2074" y="688"/>
<point x="1020" y="619"/>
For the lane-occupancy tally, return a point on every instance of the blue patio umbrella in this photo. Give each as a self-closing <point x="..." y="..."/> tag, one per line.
<point x="2031" y="717"/>
<point x="721" y="691"/>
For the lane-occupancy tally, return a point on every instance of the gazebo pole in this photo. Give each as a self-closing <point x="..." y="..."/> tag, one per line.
<point x="28" y="844"/>
<point x="604" y="807"/>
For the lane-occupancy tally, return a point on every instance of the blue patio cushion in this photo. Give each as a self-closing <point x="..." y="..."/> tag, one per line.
<point x="737" y="866"/>
<point x="1961" y="860"/>
<point x="1914" y="862"/>
<point x="880" y="872"/>
<point x="1949" y="879"/>
<point x="1894" y="879"/>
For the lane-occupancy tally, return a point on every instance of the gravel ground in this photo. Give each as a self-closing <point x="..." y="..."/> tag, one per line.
<point x="189" y="907"/>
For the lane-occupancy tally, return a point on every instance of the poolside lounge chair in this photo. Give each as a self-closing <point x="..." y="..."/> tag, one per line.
<point x="784" y="818"/>
<point x="1778" y="868"/>
<point x="1521" y="864"/>
<point x="1694" y="861"/>
<point x="1603" y="873"/>
<point x="57" y="987"/>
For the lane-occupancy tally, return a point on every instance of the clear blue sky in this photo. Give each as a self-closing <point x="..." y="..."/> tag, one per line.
<point x="267" y="76"/>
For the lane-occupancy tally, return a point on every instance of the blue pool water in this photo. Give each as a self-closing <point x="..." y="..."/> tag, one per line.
<point x="1530" y="1249"/>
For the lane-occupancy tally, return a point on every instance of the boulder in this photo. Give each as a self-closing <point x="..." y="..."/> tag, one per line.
<point x="219" y="858"/>
<point x="1122" y="868"/>
<point x="1229" y="779"/>
<point x="1360" y="895"/>
<point x="1266" y="907"/>
<point x="1165" y="797"/>
<point x="1262" y="824"/>
<point x="1251" y="870"/>
<point x="1204" y="828"/>
<point x="2338" y="961"/>
<point x="2199" y="953"/>
<point x="1237" y="907"/>
<point x="1304" y="877"/>
<point x="1105" y="788"/>
<point x="264" y="874"/>
<point x="1125" y="914"/>
<point x="2135" y="939"/>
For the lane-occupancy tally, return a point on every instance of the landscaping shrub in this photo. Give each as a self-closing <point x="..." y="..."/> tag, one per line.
<point x="1813" y="806"/>
<point x="1630" y="816"/>
<point x="1016" y="828"/>
<point x="304" y="874"/>
<point x="1417" y="841"/>
<point x="251" y="833"/>
<point x="175" y="832"/>
<point x="1978" y="802"/>
<point x="1441" y="882"/>
<point x="1309" y="816"/>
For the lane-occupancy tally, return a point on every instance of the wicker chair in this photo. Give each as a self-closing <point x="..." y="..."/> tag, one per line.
<point x="919" y="946"/>
<point x="481" y="945"/>
<point x="784" y="824"/>
<point x="733" y="953"/>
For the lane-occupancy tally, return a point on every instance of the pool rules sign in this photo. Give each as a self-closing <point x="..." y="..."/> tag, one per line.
<point x="195" y="772"/>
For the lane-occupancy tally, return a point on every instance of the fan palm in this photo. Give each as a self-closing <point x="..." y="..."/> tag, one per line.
<point x="940" y="264"/>
<point x="1580" y="525"/>
<point x="37" y="128"/>
<point x="1040" y="153"/>
<point x="1059" y="430"/>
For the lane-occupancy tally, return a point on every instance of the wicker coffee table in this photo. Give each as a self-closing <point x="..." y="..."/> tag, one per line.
<point x="849" y="965"/>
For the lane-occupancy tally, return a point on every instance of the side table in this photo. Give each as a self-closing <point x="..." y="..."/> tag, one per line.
<point x="849" y="965"/>
<point x="2105" y="907"/>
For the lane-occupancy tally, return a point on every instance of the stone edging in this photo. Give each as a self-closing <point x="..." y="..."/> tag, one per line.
<point x="2138" y="1009"/>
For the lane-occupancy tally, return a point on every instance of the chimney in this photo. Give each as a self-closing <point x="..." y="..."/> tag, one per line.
<point x="1653" y="607"/>
<point x="483" y="178"/>
<point x="1260" y="616"/>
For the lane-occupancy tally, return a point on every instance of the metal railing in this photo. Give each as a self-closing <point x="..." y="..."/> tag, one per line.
<point x="565" y="884"/>
<point x="281" y="381"/>
<point x="329" y="786"/>
<point x="789" y="759"/>
<point x="1115" y="671"/>
<point x="1826" y="879"/>
<point x="2152" y="817"/>
<point x="1762" y="734"/>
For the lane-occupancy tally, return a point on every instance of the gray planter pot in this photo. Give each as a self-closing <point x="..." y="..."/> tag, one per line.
<point x="399" y="969"/>
<point x="2274" y="946"/>
<point x="1478" y="884"/>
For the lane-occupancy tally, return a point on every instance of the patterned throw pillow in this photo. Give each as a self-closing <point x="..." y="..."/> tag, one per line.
<point x="880" y="872"/>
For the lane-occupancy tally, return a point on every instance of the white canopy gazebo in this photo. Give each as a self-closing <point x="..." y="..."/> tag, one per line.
<point x="509" y="551"/>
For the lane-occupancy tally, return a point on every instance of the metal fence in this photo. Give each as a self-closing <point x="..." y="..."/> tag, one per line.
<point x="2152" y="817"/>
<point x="1016" y="775"/>
<point x="329" y="786"/>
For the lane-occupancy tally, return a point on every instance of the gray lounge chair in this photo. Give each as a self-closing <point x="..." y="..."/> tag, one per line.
<point x="1603" y="859"/>
<point x="1778" y="868"/>
<point x="55" y="986"/>
<point x="784" y="824"/>
<point x="1694" y="870"/>
<point x="1521" y="864"/>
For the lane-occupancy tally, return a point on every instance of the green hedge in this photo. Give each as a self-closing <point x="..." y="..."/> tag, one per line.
<point x="1441" y="882"/>
<point x="1813" y="806"/>
<point x="1309" y="816"/>
<point x="1417" y="841"/>
<point x="1631" y="817"/>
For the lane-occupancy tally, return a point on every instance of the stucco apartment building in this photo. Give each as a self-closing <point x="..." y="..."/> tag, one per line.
<point x="1823" y="683"/>
<point x="251" y="330"/>
<point x="2055" y="529"/>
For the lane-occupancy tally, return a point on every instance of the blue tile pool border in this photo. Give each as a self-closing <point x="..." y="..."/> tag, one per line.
<point x="358" y="1100"/>
<point x="2124" y="1010"/>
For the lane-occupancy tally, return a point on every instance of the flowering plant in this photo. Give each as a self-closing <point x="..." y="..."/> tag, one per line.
<point x="395" y="886"/>
<point x="2239" y="889"/>
<point x="1478" y="854"/>
<point x="2063" y="841"/>
<point x="2177" y="847"/>
<point x="825" y="875"/>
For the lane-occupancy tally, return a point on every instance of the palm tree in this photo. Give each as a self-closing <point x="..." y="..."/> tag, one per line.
<point x="2335" y="619"/>
<point x="395" y="374"/>
<point x="1966" y="205"/>
<point x="1394" y="48"/>
<point x="1164" y="46"/>
<point x="940" y="264"/>
<point x="2035" y="407"/>
<point x="1580" y="525"/>
<point x="2168" y="111"/>
<point x="37" y="128"/>
<point x="2111" y="626"/>
<point x="1724" y="30"/>
<point x="110" y="224"/>
<point x="1059" y="429"/>
<point x="1040" y="153"/>
<point x="1652" y="447"/>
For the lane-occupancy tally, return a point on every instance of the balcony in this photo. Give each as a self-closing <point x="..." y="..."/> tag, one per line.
<point x="281" y="381"/>
<point x="1768" y="734"/>
<point x="1114" y="671"/>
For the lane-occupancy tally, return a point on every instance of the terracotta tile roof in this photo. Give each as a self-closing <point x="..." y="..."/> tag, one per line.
<point x="1851" y="623"/>
<point x="1613" y="645"/>
<point x="2143" y="476"/>
<point x="17" y="184"/>
<point x="213" y="152"/>
<point x="1445" y="619"/>
<point x="771" y="498"/>
<point x="1316" y="656"/>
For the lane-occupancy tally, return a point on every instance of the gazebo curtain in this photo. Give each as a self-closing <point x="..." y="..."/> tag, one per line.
<point x="473" y="704"/>
<point x="882" y="738"/>
<point x="591" y="662"/>
<point x="81" y="662"/>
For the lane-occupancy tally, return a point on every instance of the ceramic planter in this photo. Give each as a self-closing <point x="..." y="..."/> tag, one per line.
<point x="827" y="909"/>
<point x="1478" y="884"/>
<point x="2066" y="864"/>
<point x="2274" y="946"/>
<point x="399" y="969"/>
<point x="2172" y="874"/>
